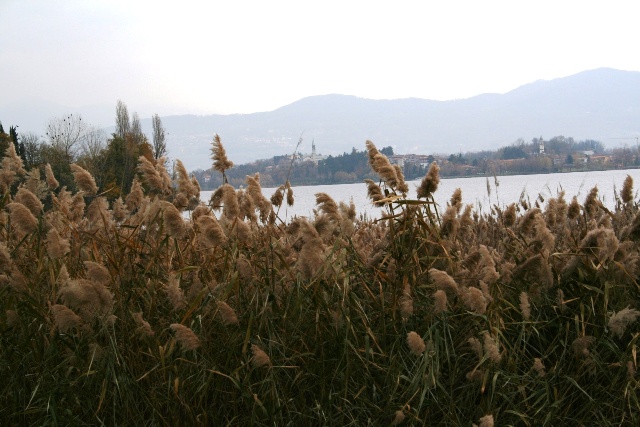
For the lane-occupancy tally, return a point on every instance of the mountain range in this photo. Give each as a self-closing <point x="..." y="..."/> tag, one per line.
<point x="601" y="104"/>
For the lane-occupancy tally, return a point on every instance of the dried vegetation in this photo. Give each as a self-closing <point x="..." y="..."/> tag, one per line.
<point x="160" y="309"/>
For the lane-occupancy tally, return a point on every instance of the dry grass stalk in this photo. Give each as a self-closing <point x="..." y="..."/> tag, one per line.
<point x="185" y="336"/>
<point x="260" y="359"/>
<point x="416" y="343"/>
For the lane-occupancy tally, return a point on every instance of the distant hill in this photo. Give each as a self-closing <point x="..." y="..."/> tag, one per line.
<point x="602" y="104"/>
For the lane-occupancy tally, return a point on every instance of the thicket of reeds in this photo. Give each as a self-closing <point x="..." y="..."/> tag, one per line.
<point x="126" y="313"/>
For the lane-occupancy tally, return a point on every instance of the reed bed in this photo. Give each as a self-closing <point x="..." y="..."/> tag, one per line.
<point x="126" y="313"/>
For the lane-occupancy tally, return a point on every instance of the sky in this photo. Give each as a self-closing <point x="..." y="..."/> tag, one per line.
<point x="205" y="57"/>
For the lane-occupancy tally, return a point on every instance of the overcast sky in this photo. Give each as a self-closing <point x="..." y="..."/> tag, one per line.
<point x="245" y="56"/>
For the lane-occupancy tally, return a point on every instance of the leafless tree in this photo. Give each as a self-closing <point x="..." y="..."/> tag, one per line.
<point x="66" y="134"/>
<point x="159" y="144"/>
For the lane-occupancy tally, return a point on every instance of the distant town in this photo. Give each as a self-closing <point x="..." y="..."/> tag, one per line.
<point x="558" y="154"/>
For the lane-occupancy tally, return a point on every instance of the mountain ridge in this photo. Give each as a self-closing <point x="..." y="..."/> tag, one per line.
<point x="601" y="104"/>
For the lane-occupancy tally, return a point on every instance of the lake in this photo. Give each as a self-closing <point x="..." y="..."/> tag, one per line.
<point x="474" y="190"/>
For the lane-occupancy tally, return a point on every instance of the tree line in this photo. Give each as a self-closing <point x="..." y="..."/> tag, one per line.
<point x="112" y="160"/>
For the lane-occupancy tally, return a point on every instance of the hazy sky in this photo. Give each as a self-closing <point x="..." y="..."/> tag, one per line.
<point x="247" y="56"/>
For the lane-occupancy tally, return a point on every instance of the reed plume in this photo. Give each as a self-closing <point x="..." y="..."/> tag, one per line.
<point x="260" y="359"/>
<point x="290" y="198"/>
<point x="187" y="339"/>
<point x="591" y="203"/>
<point x="581" y="345"/>
<point x="328" y="206"/>
<point x="231" y="208"/>
<point x="173" y="221"/>
<point x="227" y="314"/>
<point x="374" y="192"/>
<point x="416" y="343"/>
<point x="619" y="321"/>
<point x="83" y="179"/>
<point x="443" y="281"/>
<point x="398" y="417"/>
<point x="210" y="232"/>
<point x="491" y="348"/>
<point x="440" y="302"/>
<point x="28" y="199"/>
<point x="120" y="212"/>
<point x="219" y="156"/>
<point x="52" y="182"/>
<point x="538" y="366"/>
<point x="149" y="173"/>
<point x="21" y="218"/>
<point x="185" y="184"/>
<point x="486" y="421"/>
<point x="65" y="319"/>
<point x="430" y="182"/>
<point x="144" y="328"/>
<point x="476" y="346"/>
<point x="57" y="247"/>
<point x="135" y="196"/>
<point x="525" y="306"/>
<point x="97" y="273"/>
<point x="474" y="299"/>
<point x="627" y="190"/>
<point x="175" y="293"/>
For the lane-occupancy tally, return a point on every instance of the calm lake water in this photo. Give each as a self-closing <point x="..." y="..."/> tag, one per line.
<point x="474" y="190"/>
